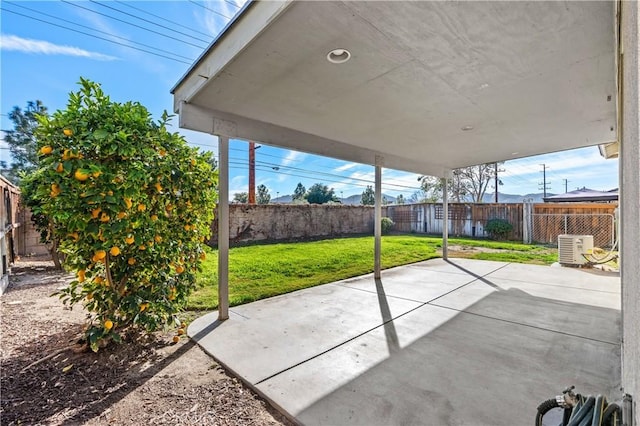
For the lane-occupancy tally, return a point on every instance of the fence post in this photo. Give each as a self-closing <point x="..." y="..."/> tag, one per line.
<point x="565" y="224"/>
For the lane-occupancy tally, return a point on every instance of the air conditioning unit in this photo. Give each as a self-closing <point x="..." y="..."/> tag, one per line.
<point x="572" y="249"/>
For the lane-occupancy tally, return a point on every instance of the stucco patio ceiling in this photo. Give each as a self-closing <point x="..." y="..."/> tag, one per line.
<point x="430" y="86"/>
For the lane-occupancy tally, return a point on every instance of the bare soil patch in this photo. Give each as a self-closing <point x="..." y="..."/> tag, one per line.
<point x="146" y="380"/>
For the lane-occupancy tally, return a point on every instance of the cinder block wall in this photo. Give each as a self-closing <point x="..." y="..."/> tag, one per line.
<point x="28" y="239"/>
<point x="287" y="222"/>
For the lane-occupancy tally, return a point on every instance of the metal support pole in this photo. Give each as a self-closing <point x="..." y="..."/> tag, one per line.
<point x="377" y="227"/>
<point x="445" y="218"/>
<point x="223" y="228"/>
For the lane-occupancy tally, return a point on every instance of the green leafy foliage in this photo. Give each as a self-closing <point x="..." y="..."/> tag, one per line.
<point x="263" y="196"/>
<point x="498" y="229"/>
<point x="368" y="197"/>
<point x="299" y="192"/>
<point x="21" y="139"/>
<point x="320" y="194"/>
<point x="387" y="224"/>
<point x="130" y="203"/>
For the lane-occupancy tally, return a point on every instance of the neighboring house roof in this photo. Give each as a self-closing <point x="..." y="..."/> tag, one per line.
<point x="584" y="194"/>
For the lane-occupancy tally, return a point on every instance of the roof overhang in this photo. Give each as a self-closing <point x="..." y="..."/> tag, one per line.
<point x="521" y="78"/>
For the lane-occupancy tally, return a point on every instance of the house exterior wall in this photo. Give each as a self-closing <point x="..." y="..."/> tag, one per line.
<point x="630" y="204"/>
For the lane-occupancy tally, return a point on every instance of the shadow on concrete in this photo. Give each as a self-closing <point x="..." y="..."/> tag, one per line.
<point x="476" y="369"/>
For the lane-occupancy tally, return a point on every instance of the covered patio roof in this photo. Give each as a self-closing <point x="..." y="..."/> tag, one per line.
<point x="429" y="86"/>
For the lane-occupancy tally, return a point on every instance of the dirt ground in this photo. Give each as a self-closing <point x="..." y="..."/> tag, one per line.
<point x="150" y="382"/>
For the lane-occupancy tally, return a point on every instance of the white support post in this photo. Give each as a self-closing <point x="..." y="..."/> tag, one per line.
<point x="445" y="218"/>
<point x="377" y="227"/>
<point x="223" y="228"/>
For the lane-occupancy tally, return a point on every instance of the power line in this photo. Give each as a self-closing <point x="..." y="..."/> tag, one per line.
<point x="95" y="36"/>
<point x="132" y="24"/>
<point x="100" y="31"/>
<point x="232" y="3"/>
<point x="162" y="18"/>
<point x="148" y="21"/>
<point x="322" y="175"/>
<point x="209" y="9"/>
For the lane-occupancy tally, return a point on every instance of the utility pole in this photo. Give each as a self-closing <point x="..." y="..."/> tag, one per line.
<point x="566" y="184"/>
<point x="544" y="180"/>
<point x="252" y="172"/>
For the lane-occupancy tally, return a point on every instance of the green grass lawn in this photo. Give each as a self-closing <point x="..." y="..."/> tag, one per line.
<point x="260" y="271"/>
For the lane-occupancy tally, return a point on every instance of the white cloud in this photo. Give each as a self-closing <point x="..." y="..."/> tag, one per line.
<point x="345" y="167"/>
<point x="25" y="45"/>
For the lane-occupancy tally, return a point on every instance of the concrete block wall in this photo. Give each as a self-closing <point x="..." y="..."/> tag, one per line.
<point x="28" y="238"/>
<point x="289" y="222"/>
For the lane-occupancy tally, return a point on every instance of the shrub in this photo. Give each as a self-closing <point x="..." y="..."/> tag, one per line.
<point x="387" y="224"/>
<point x="131" y="205"/>
<point x="498" y="229"/>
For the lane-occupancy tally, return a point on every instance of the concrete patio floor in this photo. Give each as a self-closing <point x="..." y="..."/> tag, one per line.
<point x="459" y="342"/>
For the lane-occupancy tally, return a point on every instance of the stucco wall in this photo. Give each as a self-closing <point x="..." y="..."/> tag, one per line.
<point x="630" y="206"/>
<point x="276" y="222"/>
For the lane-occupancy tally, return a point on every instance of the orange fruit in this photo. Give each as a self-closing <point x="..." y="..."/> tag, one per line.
<point x="179" y="269"/>
<point x="176" y="339"/>
<point x="55" y="190"/>
<point x="141" y="207"/>
<point x="158" y="238"/>
<point x="80" y="175"/>
<point x="203" y="256"/>
<point x="89" y="296"/>
<point x="128" y="202"/>
<point x="46" y="150"/>
<point x="142" y="247"/>
<point x="114" y="251"/>
<point x="162" y="152"/>
<point x="67" y="132"/>
<point x="180" y="331"/>
<point x="183" y="325"/>
<point x="99" y="255"/>
<point x="129" y="240"/>
<point x="105" y="217"/>
<point x="169" y="207"/>
<point x="108" y="324"/>
<point x="187" y="227"/>
<point x="193" y="162"/>
<point x="60" y="168"/>
<point x="122" y="215"/>
<point x="74" y="235"/>
<point x="98" y="280"/>
<point x="95" y="213"/>
<point x="143" y="306"/>
<point x="158" y="187"/>
<point x="81" y="275"/>
<point x="154" y="217"/>
<point x="96" y="174"/>
<point x="131" y="261"/>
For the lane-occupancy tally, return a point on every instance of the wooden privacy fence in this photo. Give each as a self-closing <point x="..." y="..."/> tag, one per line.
<point x="537" y="223"/>
<point x="8" y="224"/>
<point x="465" y="219"/>
<point x="548" y="220"/>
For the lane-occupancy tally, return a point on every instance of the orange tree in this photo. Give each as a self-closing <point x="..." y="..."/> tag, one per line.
<point x="131" y="204"/>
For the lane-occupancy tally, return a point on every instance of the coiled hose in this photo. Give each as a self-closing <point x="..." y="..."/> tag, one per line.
<point x="595" y="411"/>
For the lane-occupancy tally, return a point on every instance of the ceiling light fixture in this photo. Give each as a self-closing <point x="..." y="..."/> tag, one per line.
<point x="466" y="128"/>
<point x="338" y="56"/>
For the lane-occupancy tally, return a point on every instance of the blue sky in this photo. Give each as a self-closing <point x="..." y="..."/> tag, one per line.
<point x="45" y="60"/>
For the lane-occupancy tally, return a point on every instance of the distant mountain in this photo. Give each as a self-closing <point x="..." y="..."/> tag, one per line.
<point x="352" y="200"/>
<point x="515" y="198"/>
